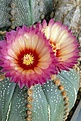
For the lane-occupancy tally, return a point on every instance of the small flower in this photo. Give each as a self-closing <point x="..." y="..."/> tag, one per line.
<point x="63" y="43"/>
<point x="27" y="57"/>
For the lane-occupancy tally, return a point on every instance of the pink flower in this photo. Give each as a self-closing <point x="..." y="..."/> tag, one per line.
<point x="26" y="57"/>
<point x="63" y="43"/>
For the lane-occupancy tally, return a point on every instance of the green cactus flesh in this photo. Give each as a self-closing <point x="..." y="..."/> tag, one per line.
<point x="47" y="105"/>
<point x="19" y="12"/>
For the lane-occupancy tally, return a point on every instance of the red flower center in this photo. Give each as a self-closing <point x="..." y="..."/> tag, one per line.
<point x="28" y="59"/>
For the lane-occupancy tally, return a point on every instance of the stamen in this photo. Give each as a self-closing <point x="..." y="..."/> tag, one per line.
<point x="28" y="59"/>
<point x="55" y="47"/>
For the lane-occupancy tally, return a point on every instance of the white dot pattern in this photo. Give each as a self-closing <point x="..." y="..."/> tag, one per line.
<point x="11" y="94"/>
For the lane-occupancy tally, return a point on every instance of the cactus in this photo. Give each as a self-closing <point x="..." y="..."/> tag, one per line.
<point x="53" y="100"/>
<point x="50" y="102"/>
<point x="16" y="13"/>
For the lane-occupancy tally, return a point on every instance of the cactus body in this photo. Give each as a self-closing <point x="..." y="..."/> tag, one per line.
<point x="49" y="102"/>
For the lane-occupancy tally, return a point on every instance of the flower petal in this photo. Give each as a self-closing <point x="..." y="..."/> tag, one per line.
<point x="63" y="43"/>
<point x="27" y="58"/>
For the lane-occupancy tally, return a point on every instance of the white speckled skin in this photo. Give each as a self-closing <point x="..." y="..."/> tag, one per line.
<point x="18" y="12"/>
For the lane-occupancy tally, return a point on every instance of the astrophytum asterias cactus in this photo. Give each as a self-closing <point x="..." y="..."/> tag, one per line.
<point x="50" y="102"/>
<point x="19" y="12"/>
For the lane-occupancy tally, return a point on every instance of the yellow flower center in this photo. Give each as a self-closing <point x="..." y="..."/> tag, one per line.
<point x="28" y="59"/>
